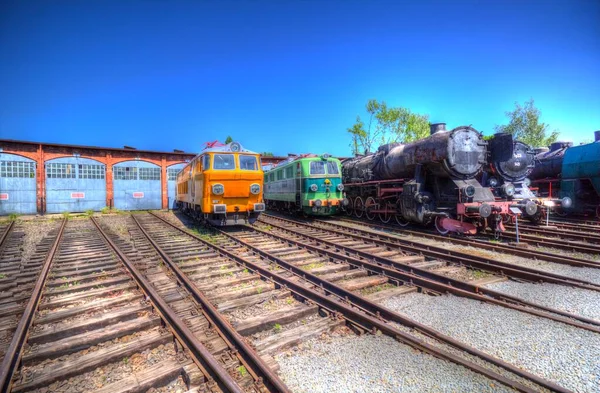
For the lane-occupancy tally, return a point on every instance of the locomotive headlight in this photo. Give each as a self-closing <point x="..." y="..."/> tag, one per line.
<point x="566" y="202"/>
<point x="318" y="203"/>
<point x="235" y="147"/>
<point x="469" y="191"/>
<point x="508" y="189"/>
<point x="340" y="187"/>
<point x="527" y="182"/>
<point x="314" y="187"/>
<point x="218" y="189"/>
<point x="493" y="182"/>
<point x="255" y="188"/>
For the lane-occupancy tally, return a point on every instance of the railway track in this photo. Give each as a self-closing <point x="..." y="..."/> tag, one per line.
<point x="94" y="322"/>
<point x="553" y="238"/>
<point x="18" y="273"/>
<point x="580" y="223"/>
<point x="282" y="264"/>
<point x="478" y="243"/>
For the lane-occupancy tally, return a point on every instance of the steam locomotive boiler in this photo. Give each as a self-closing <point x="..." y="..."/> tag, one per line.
<point x="430" y="180"/>
<point x="508" y="179"/>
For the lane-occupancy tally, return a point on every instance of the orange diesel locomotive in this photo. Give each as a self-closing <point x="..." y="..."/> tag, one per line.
<point x="222" y="185"/>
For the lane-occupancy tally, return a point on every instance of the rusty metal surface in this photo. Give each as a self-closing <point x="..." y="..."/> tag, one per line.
<point x="5" y="234"/>
<point x="483" y="263"/>
<point x="505" y="248"/>
<point x="14" y="351"/>
<point x="248" y="356"/>
<point x="200" y="353"/>
<point x="368" y="315"/>
<point x="442" y="284"/>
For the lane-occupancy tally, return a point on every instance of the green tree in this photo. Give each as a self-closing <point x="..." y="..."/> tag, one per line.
<point x="267" y="154"/>
<point x="386" y="124"/>
<point x="229" y="139"/>
<point x="524" y="124"/>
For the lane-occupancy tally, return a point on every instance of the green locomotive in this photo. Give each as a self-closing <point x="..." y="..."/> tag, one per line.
<point x="307" y="184"/>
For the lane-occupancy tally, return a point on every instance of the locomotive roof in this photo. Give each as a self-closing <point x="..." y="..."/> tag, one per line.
<point x="227" y="149"/>
<point x="301" y="157"/>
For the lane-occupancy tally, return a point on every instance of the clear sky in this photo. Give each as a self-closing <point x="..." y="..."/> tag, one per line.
<point x="288" y="76"/>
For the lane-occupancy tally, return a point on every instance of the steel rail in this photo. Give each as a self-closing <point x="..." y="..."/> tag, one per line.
<point x="442" y="284"/>
<point x="5" y="234"/>
<point x="361" y="312"/>
<point x="254" y="364"/>
<point x="587" y="238"/>
<point x="202" y="357"/>
<point x="481" y="263"/>
<point x="550" y="243"/>
<point x="15" y="349"/>
<point x="504" y="248"/>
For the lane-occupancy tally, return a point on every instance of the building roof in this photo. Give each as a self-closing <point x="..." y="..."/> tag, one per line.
<point x="129" y="149"/>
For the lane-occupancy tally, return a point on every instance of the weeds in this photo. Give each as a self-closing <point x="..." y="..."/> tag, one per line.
<point x="313" y="265"/>
<point x="480" y="274"/>
<point x="13" y="217"/>
<point x="2" y="275"/>
<point x="277" y="328"/>
<point x="89" y="212"/>
<point x="242" y="370"/>
<point x="259" y="290"/>
<point x="66" y="215"/>
<point x="105" y="210"/>
<point x="125" y="360"/>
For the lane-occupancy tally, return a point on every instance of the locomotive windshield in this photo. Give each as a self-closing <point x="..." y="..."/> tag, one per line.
<point x="248" y="163"/>
<point x="224" y="161"/>
<point x="332" y="168"/>
<point x="318" y="168"/>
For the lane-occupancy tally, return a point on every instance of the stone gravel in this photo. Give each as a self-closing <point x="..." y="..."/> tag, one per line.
<point x="379" y="364"/>
<point x="560" y="353"/>
<point x="573" y="300"/>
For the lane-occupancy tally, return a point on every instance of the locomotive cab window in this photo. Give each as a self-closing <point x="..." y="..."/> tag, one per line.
<point x="332" y="168"/>
<point x="206" y="162"/>
<point x="248" y="163"/>
<point x="317" y="168"/>
<point x="224" y="161"/>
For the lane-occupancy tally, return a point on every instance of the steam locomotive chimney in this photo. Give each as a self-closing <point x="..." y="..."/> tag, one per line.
<point x="437" y="127"/>
<point x="559" y="145"/>
<point x="597" y="136"/>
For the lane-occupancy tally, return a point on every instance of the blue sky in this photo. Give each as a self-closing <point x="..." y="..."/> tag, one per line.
<point x="288" y="76"/>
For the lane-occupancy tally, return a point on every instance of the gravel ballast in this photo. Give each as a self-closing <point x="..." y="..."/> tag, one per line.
<point x="554" y="351"/>
<point x="573" y="300"/>
<point x="375" y="364"/>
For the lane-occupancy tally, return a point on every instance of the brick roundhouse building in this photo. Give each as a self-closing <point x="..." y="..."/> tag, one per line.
<point x="53" y="178"/>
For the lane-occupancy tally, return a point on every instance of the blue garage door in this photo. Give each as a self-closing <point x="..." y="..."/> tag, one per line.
<point x="137" y="186"/>
<point x="75" y="184"/>
<point x="172" y="183"/>
<point x="17" y="185"/>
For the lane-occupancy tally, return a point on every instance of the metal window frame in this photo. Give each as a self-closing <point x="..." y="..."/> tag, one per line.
<point x="18" y="169"/>
<point x="125" y="173"/>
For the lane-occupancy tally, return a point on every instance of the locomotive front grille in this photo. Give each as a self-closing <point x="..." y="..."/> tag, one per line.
<point x="219" y="208"/>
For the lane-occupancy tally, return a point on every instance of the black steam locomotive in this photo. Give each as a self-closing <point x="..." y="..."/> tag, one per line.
<point x="432" y="180"/>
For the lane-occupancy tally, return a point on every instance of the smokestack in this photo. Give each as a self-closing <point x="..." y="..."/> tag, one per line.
<point x="597" y="136"/>
<point x="437" y="127"/>
<point x="560" y="145"/>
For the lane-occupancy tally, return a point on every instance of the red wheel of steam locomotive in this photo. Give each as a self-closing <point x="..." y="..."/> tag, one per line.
<point x="370" y="205"/>
<point x="359" y="207"/>
<point x="386" y="217"/>
<point x="349" y="209"/>
<point x="438" y="226"/>
<point x="400" y="220"/>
